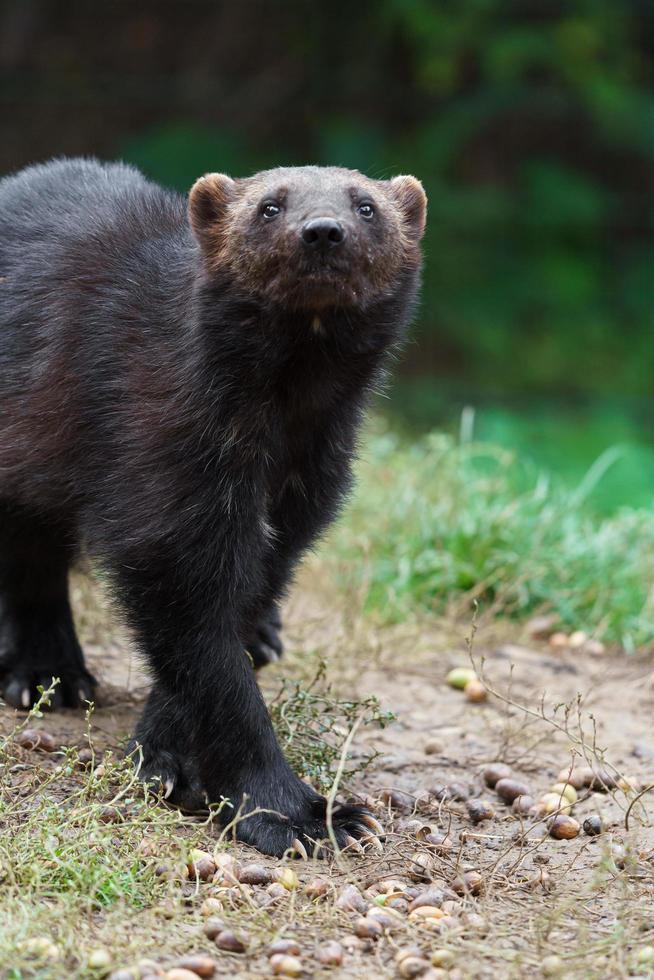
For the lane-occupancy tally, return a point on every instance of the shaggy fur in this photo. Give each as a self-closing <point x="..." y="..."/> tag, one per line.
<point x="181" y="383"/>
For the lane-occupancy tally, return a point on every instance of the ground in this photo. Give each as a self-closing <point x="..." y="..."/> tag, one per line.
<point x="93" y="873"/>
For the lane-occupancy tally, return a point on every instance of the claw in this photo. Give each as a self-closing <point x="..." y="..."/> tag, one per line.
<point x="169" y="786"/>
<point x="25" y="699"/>
<point x="271" y="655"/>
<point x="370" y="840"/>
<point x="299" y="848"/>
<point x="353" y="844"/>
<point x="372" y="823"/>
<point x="82" y="695"/>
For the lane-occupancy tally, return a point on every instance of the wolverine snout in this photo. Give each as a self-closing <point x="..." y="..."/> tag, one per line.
<point x="322" y="234"/>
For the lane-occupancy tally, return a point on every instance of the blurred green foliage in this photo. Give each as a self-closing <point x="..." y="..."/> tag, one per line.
<point x="532" y="127"/>
<point x="437" y="524"/>
<point x="530" y="122"/>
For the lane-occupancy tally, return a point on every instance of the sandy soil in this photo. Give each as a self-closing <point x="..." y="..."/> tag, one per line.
<point x="587" y="902"/>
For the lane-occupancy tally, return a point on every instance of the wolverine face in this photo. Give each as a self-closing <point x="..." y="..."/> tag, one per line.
<point x="310" y="237"/>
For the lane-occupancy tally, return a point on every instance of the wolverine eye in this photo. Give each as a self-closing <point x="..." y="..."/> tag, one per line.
<point x="270" y="210"/>
<point x="366" y="210"/>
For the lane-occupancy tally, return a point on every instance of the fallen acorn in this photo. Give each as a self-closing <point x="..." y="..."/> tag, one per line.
<point x="254" y="874"/>
<point x="212" y="927"/>
<point x="413" y="966"/>
<point x="210" y="906"/>
<point x="351" y="900"/>
<point x="149" y="968"/>
<point x="442" y="957"/>
<point x="421" y="867"/>
<point x="432" y="896"/>
<point x="553" y="803"/>
<point x="417" y="828"/>
<point x="577" y="639"/>
<point x="285" y="947"/>
<point x="480" y="810"/>
<point x="566" y="790"/>
<point x="201" y="865"/>
<point x="442" y="925"/>
<point x="288" y="878"/>
<point x="388" y="886"/>
<point x="577" y="776"/>
<point x="522" y="804"/>
<point x="592" y="825"/>
<point x="42" y="948"/>
<point x="459" y="677"/>
<point x="330" y="953"/>
<point x="407" y="951"/>
<point x="226" y="869"/>
<point x="494" y="772"/>
<point x="562" y="827"/>
<point x="230" y="942"/>
<point x="508" y="789"/>
<point x="286" y="966"/>
<point x="426" y="912"/>
<point x="559" y="641"/>
<point x="99" y="959"/>
<point x="199" y="965"/>
<point x="552" y="966"/>
<point x="276" y="891"/>
<point x="471" y="882"/>
<point x="317" y="888"/>
<point x="178" y="973"/>
<point x="474" y="922"/>
<point x="439" y="843"/>
<point x="396" y="800"/>
<point x="475" y="692"/>
<point x="387" y="918"/>
<point x="453" y="791"/>
<point x="87" y="756"/>
<point x="603" y="781"/>
<point x="31" y="738"/>
<point x="367" y="928"/>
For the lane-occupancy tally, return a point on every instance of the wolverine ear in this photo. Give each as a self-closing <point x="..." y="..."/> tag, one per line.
<point x="207" y="202"/>
<point x="409" y="194"/>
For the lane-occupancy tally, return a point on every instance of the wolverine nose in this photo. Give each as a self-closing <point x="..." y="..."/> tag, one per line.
<point x="321" y="234"/>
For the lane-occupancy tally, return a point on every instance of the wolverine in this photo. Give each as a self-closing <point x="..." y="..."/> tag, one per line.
<point x="182" y="380"/>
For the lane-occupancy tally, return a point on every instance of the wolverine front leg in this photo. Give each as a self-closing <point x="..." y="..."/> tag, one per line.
<point x="299" y="513"/>
<point x="207" y="724"/>
<point x="264" y="640"/>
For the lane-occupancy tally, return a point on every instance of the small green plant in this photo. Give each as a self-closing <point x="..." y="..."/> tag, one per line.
<point x="312" y="726"/>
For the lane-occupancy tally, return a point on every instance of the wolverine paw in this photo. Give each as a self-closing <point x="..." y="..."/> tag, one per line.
<point x="352" y="829"/>
<point x="266" y="646"/>
<point x="20" y="680"/>
<point x="175" y="778"/>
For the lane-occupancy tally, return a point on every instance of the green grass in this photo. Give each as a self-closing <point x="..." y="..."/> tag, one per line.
<point x="437" y="520"/>
<point x="90" y="859"/>
<point x="312" y="725"/>
<point x="562" y="435"/>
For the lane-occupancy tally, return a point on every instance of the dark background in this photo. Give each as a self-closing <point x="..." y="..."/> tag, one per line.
<point x="530" y="123"/>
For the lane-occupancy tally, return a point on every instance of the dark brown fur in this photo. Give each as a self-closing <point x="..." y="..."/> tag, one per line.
<point x="181" y="386"/>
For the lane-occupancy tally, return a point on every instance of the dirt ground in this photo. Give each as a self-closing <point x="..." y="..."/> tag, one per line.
<point x="540" y="907"/>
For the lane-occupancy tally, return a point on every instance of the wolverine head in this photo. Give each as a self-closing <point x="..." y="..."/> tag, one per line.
<point x="309" y="237"/>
